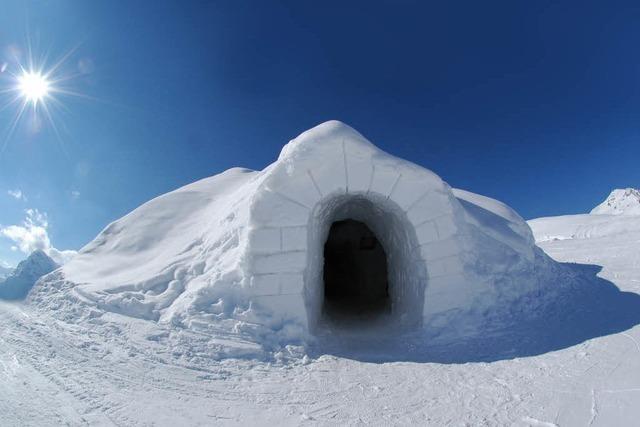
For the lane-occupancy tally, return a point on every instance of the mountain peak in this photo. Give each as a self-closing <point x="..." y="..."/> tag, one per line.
<point x="4" y="272"/>
<point x="20" y="281"/>
<point x="36" y="262"/>
<point x="620" y="202"/>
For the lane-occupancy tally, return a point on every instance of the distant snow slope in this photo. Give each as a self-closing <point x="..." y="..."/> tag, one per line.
<point x="22" y="279"/>
<point x="620" y="202"/>
<point x="4" y="272"/>
<point x="618" y="216"/>
<point x="609" y="236"/>
<point x="584" y="226"/>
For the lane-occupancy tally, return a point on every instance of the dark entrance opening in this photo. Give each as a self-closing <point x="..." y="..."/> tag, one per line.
<point x="355" y="275"/>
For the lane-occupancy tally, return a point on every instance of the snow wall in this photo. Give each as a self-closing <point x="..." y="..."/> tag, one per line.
<point x="245" y="249"/>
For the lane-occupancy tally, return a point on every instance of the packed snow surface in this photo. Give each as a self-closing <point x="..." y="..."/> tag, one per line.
<point x="578" y="365"/>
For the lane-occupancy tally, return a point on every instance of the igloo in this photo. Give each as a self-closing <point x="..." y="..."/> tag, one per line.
<point x="437" y="242"/>
<point x="334" y="222"/>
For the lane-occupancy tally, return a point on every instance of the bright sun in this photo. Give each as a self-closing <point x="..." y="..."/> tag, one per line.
<point x="33" y="86"/>
<point x="35" y="89"/>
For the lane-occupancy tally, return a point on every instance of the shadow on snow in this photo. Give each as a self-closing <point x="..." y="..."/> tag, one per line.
<point x="593" y="307"/>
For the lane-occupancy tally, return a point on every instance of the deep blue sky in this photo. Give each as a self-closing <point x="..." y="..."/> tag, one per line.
<point x="533" y="103"/>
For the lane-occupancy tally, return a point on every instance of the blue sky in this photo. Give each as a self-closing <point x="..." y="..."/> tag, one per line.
<point x="533" y="103"/>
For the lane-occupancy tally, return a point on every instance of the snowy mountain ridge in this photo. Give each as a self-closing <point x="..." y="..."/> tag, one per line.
<point x="617" y="215"/>
<point x="620" y="202"/>
<point x="17" y="284"/>
<point x="5" y="272"/>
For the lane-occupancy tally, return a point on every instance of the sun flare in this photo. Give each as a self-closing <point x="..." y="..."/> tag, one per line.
<point x="36" y="88"/>
<point x="33" y="86"/>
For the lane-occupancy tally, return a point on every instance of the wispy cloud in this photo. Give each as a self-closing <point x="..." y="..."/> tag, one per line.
<point x="75" y="194"/>
<point x="33" y="234"/>
<point x="17" y="194"/>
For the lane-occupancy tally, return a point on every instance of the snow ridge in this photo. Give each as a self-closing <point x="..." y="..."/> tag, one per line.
<point x="620" y="202"/>
<point x="5" y="272"/>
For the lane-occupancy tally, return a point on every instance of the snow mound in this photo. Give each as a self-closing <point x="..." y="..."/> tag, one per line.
<point x="18" y="284"/>
<point x="620" y="202"/>
<point x="243" y="252"/>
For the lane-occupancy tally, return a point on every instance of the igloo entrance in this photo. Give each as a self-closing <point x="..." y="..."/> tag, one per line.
<point x="355" y="275"/>
<point x="361" y="264"/>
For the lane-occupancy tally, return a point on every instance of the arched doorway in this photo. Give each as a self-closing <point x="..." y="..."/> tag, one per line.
<point x="355" y="276"/>
<point x="394" y="298"/>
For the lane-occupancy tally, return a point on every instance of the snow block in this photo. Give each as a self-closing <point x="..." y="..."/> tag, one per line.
<point x="429" y="207"/>
<point x="446" y="226"/>
<point x="412" y="186"/>
<point x="440" y="249"/>
<point x="297" y="184"/>
<point x="426" y="233"/>
<point x="294" y="238"/>
<point x="330" y="174"/>
<point x="265" y="240"/>
<point x="276" y="284"/>
<point x="360" y="171"/>
<point x="383" y="181"/>
<point x="284" y="262"/>
<point x="291" y="284"/>
<point x="274" y="209"/>
<point x="265" y="284"/>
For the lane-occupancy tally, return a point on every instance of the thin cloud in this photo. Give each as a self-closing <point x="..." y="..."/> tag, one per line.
<point x="17" y="194"/>
<point x="33" y="235"/>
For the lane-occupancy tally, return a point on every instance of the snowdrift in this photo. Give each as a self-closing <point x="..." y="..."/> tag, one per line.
<point x="245" y="250"/>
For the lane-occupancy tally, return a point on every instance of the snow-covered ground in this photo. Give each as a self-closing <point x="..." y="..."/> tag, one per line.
<point x="578" y="365"/>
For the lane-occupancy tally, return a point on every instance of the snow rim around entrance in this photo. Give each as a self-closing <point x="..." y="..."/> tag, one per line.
<point x="389" y="224"/>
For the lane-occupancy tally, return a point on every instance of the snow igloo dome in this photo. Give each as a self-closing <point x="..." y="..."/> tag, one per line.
<point x="335" y="227"/>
